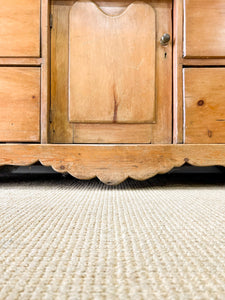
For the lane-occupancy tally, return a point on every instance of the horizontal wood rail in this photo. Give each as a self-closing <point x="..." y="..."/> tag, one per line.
<point x="21" y="61"/>
<point x="112" y="164"/>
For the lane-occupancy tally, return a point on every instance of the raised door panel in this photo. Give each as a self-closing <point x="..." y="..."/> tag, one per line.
<point x="20" y="28"/>
<point x="204" y="28"/>
<point x="19" y="104"/>
<point x="112" y="64"/>
<point x="111" y="79"/>
<point x="204" y="105"/>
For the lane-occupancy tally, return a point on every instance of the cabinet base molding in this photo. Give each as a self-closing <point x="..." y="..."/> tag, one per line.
<point x="112" y="164"/>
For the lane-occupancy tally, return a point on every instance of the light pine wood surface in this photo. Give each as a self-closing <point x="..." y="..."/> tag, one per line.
<point x="204" y="29"/>
<point x="198" y="42"/>
<point x="19" y="104"/>
<point x="20" y="28"/>
<point x="45" y="70"/>
<point x="177" y="72"/>
<point x="198" y="118"/>
<point x="63" y="131"/>
<point x="119" y="133"/>
<point x="112" y="64"/>
<point x="204" y="105"/>
<point x="112" y="164"/>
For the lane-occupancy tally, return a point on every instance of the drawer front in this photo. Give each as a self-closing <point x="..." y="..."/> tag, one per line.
<point x="19" y="104"/>
<point x="204" y="105"/>
<point x="204" y="28"/>
<point x="20" y="28"/>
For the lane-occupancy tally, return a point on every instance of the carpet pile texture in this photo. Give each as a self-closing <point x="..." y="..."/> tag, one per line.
<point x="63" y="238"/>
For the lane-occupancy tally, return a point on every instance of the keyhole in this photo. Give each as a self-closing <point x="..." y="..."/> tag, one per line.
<point x="165" y="55"/>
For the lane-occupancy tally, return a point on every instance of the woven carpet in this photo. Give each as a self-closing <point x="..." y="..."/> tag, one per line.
<point x="62" y="238"/>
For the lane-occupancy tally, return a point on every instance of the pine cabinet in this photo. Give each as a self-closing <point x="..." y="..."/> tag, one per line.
<point x="112" y="89"/>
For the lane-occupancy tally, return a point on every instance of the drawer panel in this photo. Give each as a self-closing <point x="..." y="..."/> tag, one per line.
<point x="20" y="28"/>
<point x="204" y="105"/>
<point x="204" y="28"/>
<point x="19" y="104"/>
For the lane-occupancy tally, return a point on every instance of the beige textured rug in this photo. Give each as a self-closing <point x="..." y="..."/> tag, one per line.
<point x="67" y="239"/>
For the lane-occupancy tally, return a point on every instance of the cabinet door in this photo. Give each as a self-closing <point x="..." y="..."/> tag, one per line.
<point x="112" y="64"/>
<point x="111" y="76"/>
<point x="20" y="28"/>
<point x="204" y="105"/>
<point x="19" y="104"/>
<point x="204" y="28"/>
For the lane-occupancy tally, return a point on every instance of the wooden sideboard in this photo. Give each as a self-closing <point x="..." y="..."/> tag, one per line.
<point x="112" y="89"/>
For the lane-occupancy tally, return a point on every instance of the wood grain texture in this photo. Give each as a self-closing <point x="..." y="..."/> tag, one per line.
<point x="162" y="130"/>
<point x="177" y="72"/>
<point x="21" y="61"/>
<point x="112" y="133"/>
<point x="20" y="28"/>
<point x="204" y="28"/>
<point x="61" y="131"/>
<point x="112" y="64"/>
<point x="19" y="104"/>
<point x="45" y="70"/>
<point x="112" y="164"/>
<point x="198" y="62"/>
<point x="204" y="105"/>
